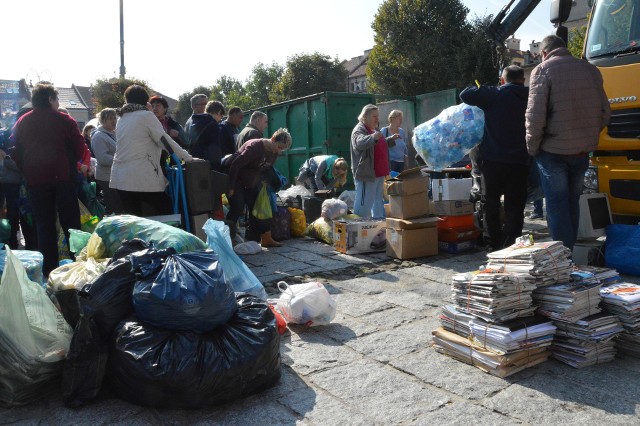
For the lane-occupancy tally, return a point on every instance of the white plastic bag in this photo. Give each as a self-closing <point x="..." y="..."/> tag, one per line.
<point x="333" y="209"/>
<point x="249" y="247"/>
<point x="348" y="197"/>
<point x="34" y="337"/>
<point x="309" y="304"/>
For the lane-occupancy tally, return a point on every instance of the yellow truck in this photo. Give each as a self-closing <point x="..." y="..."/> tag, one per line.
<point x="613" y="45"/>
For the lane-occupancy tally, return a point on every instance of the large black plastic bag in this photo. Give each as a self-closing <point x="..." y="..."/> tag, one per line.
<point x="182" y="297"/>
<point x="162" y="368"/>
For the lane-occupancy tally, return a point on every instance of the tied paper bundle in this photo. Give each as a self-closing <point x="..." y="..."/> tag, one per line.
<point x="493" y="297"/>
<point x="447" y="138"/>
<point x="455" y="321"/>
<point x="588" y="341"/>
<point x="462" y="349"/>
<point x="623" y="300"/>
<point x="546" y="262"/>
<point x="570" y="301"/>
<point x="512" y="336"/>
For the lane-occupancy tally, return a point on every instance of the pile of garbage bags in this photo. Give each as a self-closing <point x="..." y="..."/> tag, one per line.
<point x="164" y="321"/>
<point x="447" y="138"/>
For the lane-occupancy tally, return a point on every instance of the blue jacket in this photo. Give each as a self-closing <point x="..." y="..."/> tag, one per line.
<point x="504" y="130"/>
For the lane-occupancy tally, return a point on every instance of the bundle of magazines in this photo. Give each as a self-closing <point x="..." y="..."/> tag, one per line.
<point x="545" y="263"/>
<point x="623" y="300"/>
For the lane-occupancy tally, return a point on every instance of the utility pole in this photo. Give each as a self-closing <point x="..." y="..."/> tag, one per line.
<point x="122" y="68"/>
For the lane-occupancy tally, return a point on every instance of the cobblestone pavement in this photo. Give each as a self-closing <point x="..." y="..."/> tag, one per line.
<point x="375" y="365"/>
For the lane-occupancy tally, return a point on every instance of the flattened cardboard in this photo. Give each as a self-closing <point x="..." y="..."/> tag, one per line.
<point x="410" y="206"/>
<point x="412" y="243"/>
<point x="409" y="182"/>
<point x="417" y="223"/>
<point x="364" y="235"/>
<point x="452" y="208"/>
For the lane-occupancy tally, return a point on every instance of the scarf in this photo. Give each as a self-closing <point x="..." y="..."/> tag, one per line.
<point x="131" y="108"/>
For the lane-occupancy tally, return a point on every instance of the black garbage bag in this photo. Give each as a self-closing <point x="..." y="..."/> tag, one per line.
<point x="182" y="297"/>
<point x="85" y="364"/>
<point x="162" y="368"/>
<point x="129" y="247"/>
<point x="69" y="305"/>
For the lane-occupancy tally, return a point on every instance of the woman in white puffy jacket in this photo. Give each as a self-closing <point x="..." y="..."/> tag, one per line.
<point x="136" y="172"/>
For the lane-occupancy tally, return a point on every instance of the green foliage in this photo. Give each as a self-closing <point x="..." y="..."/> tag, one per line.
<point x="306" y="74"/>
<point x="417" y="45"/>
<point x="230" y="92"/>
<point x="261" y="83"/>
<point x="183" y="108"/>
<point x="109" y="93"/>
<point x="576" y="40"/>
<point x="479" y="59"/>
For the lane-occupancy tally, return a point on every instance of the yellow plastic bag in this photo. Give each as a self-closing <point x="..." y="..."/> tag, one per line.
<point x="298" y="222"/>
<point x="76" y="274"/>
<point x="322" y="230"/>
<point x="262" y="207"/>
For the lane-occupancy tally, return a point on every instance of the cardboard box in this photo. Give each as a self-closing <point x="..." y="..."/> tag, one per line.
<point x="408" y="239"/>
<point x="463" y="221"/>
<point x="409" y="182"/>
<point x="197" y="222"/>
<point x="364" y="235"/>
<point x="387" y="210"/>
<point x="456" y="247"/>
<point x="409" y="206"/>
<point x="451" y="189"/>
<point x="452" y="208"/>
<point x="456" y="235"/>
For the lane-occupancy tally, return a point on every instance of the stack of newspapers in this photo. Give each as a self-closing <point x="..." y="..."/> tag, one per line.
<point x="570" y="301"/>
<point x="493" y="297"/>
<point x="544" y="263"/>
<point x="587" y="341"/>
<point x="623" y="300"/>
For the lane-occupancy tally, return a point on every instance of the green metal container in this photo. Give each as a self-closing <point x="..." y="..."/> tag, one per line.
<point x="319" y="124"/>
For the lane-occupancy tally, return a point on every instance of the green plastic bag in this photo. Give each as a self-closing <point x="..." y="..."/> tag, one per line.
<point x="262" y="207"/>
<point x="78" y="240"/>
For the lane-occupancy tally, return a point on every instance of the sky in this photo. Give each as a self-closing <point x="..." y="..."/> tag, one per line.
<point x="176" y="45"/>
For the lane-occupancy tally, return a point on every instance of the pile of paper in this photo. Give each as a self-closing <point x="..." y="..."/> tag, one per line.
<point x="546" y="262"/>
<point x="455" y="321"/>
<point x="606" y="276"/>
<point x="493" y="297"/>
<point x="570" y="301"/>
<point x="462" y="349"/>
<point x="513" y="336"/>
<point x="588" y="341"/>
<point x="629" y="343"/>
<point x="623" y="300"/>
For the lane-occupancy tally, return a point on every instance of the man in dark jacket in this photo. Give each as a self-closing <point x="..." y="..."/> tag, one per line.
<point x="505" y="162"/>
<point x="206" y="144"/>
<point x="48" y="146"/>
<point x="254" y="129"/>
<point x="229" y="130"/>
<point x="567" y="110"/>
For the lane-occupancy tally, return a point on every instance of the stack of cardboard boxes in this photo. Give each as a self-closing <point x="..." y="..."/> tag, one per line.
<point x="456" y="229"/>
<point x="411" y="231"/>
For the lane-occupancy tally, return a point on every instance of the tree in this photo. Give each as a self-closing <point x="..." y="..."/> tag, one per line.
<point x="417" y="46"/>
<point x="109" y="93"/>
<point x="183" y="108"/>
<point x="576" y="40"/>
<point x="306" y="74"/>
<point x="230" y="92"/>
<point x="261" y="83"/>
<point x="480" y="59"/>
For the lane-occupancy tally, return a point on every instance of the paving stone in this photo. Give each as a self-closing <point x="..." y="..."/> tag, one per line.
<point x="314" y="247"/>
<point x="323" y="409"/>
<point x="265" y="258"/>
<point x="448" y="374"/>
<point x="262" y="271"/>
<point x="372" y="284"/>
<point x="357" y="305"/>
<point x="290" y="265"/>
<point x="386" y="345"/>
<point x="380" y="391"/>
<point x="313" y="270"/>
<point x="290" y="382"/>
<point x="544" y="399"/>
<point x="353" y="259"/>
<point x="304" y="256"/>
<point x="464" y="413"/>
<point x="315" y="352"/>
<point x="328" y="264"/>
<point x="435" y="293"/>
<point x="345" y="328"/>
<point x="253" y="412"/>
<point x="408" y="299"/>
<point x="267" y="279"/>
<point x="283" y="249"/>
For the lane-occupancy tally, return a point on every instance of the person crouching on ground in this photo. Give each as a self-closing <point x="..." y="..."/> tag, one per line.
<point x="245" y="182"/>
<point x="323" y="172"/>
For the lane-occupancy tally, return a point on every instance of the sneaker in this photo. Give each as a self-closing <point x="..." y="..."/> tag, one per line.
<point x="535" y="215"/>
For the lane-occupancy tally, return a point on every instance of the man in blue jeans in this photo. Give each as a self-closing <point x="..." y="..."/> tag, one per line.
<point x="566" y="112"/>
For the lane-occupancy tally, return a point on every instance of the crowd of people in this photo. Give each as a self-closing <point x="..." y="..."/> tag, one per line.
<point x="543" y="125"/>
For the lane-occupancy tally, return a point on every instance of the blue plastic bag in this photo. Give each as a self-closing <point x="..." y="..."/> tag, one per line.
<point x="447" y="138"/>
<point x="622" y="249"/>
<point x="236" y="273"/>
<point x="183" y="297"/>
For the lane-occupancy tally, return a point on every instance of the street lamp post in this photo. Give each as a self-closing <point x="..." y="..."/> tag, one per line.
<point x="122" y="68"/>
